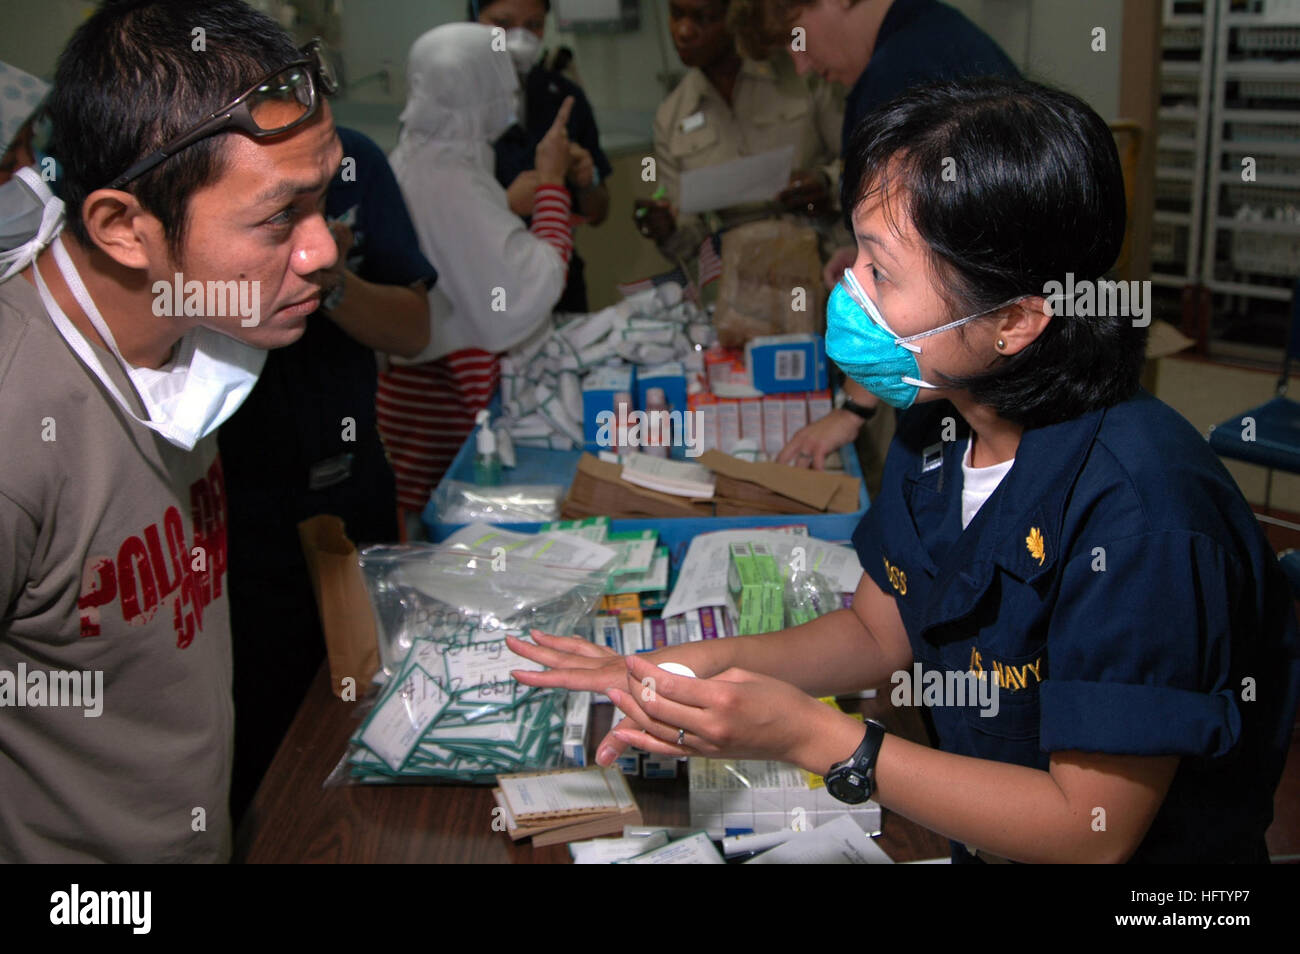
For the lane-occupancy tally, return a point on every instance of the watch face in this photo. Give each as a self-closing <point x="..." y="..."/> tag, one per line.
<point x="849" y="786"/>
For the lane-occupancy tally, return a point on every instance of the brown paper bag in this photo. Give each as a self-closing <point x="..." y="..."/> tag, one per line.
<point x="345" y="614"/>
<point x="771" y="282"/>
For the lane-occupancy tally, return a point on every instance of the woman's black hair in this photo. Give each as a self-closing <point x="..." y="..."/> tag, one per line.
<point x="1013" y="186"/>
<point x="140" y="72"/>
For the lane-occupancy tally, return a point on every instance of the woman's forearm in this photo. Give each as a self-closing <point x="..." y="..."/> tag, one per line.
<point x="1087" y="808"/>
<point x="391" y="319"/>
<point x="831" y="655"/>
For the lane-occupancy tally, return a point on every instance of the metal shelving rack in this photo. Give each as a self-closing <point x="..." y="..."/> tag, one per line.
<point x="1250" y="243"/>
<point x="1186" y="91"/>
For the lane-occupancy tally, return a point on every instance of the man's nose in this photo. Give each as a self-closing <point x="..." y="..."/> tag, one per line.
<point x="316" y="249"/>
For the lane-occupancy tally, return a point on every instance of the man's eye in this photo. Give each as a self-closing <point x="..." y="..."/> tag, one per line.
<point x="876" y="276"/>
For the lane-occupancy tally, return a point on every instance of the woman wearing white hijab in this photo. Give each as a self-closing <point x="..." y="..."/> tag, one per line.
<point x="497" y="280"/>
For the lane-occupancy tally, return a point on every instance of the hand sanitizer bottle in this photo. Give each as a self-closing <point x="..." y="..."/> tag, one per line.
<point x="487" y="463"/>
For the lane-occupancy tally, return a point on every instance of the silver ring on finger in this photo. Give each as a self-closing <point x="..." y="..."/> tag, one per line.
<point x="681" y="734"/>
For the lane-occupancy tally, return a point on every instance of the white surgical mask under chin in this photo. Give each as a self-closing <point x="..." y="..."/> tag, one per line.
<point x="208" y="378"/>
<point x="523" y="47"/>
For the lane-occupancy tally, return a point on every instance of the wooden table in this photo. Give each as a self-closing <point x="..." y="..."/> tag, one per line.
<point x="293" y="819"/>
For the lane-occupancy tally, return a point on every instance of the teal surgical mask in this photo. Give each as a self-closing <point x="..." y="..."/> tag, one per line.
<point x="860" y="341"/>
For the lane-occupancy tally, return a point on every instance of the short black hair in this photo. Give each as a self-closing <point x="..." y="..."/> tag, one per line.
<point x="130" y="79"/>
<point x="1012" y="185"/>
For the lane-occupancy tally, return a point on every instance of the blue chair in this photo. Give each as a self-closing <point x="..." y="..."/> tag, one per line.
<point x="1274" y="440"/>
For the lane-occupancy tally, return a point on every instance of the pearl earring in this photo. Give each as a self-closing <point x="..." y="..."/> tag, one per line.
<point x="1001" y="344"/>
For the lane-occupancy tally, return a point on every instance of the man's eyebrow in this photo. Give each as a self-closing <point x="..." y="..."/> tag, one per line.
<point x="288" y="188"/>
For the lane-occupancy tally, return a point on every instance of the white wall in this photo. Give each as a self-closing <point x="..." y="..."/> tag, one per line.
<point x="33" y="32"/>
<point x="1051" y="42"/>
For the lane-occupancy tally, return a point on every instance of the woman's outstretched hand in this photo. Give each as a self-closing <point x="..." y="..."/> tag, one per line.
<point x="735" y="714"/>
<point x="573" y="663"/>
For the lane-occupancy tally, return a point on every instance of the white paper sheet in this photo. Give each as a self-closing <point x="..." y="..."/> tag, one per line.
<point x="703" y="577"/>
<point x="748" y="179"/>
<point x="695" y="850"/>
<point x="838" y="842"/>
<point x="604" y="851"/>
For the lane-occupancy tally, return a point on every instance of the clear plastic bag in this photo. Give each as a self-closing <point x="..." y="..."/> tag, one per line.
<point x="808" y="595"/>
<point x="460" y="502"/>
<point x="448" y="709"/>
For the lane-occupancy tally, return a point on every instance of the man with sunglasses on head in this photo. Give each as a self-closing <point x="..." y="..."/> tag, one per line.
<point x="196" y="149"/>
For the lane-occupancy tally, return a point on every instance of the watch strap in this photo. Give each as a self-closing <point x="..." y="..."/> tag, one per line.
<point x="866" y="413"/>
<point x="863" y="761"/>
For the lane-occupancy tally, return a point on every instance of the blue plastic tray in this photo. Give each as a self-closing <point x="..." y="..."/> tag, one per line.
<point x="537" y="466"/>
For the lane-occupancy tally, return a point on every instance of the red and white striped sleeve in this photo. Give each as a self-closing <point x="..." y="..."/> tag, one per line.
<point x="551" y="208"/>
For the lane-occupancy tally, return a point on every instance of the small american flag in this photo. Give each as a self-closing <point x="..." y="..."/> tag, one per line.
<point x="710" y="259"/>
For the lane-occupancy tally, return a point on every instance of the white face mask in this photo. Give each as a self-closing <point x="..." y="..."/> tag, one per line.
<point x="204" y="384"/>
<point x="30" y="216"/>
<point x="523" y="47"/>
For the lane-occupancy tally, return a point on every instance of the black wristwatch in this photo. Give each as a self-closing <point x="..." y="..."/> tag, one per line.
<point x="854" y="779"/>
<point x="866" y="413"/>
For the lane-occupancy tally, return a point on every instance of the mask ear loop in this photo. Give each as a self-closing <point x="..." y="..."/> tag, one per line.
<point x="906" y="342"/>
<point x="962" y="321"/>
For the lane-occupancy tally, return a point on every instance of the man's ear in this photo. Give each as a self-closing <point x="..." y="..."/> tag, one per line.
<point x="1023" y="322"/>
<point x="121" y="228"/>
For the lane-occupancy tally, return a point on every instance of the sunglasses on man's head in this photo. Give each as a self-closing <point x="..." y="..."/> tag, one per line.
<point x="283" y="99"/>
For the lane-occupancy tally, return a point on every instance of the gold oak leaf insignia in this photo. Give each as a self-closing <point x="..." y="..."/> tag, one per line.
<point x="1035" y="544"/>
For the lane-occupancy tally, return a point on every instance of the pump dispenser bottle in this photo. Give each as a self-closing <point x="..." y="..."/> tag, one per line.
<point x="487" y="462"/>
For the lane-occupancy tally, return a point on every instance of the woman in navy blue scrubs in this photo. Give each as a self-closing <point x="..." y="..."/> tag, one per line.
<point x="1044" y="524"/>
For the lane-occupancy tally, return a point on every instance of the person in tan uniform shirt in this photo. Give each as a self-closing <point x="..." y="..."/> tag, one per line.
<point x="729" y="106"/>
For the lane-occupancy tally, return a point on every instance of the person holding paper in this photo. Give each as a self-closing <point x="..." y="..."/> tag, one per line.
<point x="1058" y="566"/>
<point x="877" y="49"/>
<point x="730" y="106"/>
